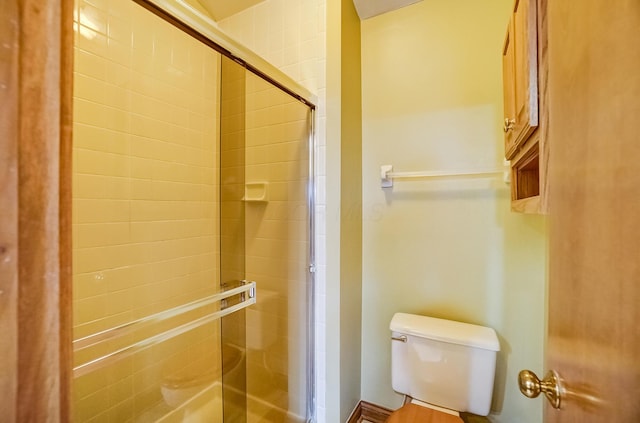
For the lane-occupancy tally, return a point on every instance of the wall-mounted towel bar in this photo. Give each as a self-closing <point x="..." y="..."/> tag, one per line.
<point x="387" y="175"/>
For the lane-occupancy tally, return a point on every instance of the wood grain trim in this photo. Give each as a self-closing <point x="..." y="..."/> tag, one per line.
<point x="374" y="413"/>
<point x="43" y="164"/>
<point x="370" y="412"/>
<point x="543" y="103"/>
<point x="356" y="414"/>
<point x="9" y="208"/>
<point x="65" y="196"/>
<point x="529" y="205"/>
<point x="532" y="61"/>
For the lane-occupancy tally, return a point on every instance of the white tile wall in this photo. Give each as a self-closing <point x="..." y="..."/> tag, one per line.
<point x="291" y="34"/>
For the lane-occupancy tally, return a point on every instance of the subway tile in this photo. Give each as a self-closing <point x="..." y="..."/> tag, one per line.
<point x="122" y="411"/>
<point x="180" y="53"/>
<point x="121" y="30"/>
<point x="90" y="40"/>
<point x="99" y="163"/>
<point x="120" y="302"/>
<point x="321" y="191"/>
<point x="101" y="234"/>
<point x="309" y="50"/>
<point x="89" y="113"/>
<point x="92" y="405"/>
<point x="89" y="64"/>
<point x="88" y="285"/>
<point x="102" y="5"/>
<point x="102" y="187"/>
<point x="92" y="210"/>
<point x="92" y="17"/>
<point x="118" y="98"/>
<point x="90" y="89"/>
<point x="119" y="51"/>
<point x="119" y="75"/>
<point x="89" y="309"/>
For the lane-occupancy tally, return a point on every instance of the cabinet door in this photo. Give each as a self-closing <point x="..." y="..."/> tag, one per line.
<point x="523" y="38"/>
<point x="509" y="87"/>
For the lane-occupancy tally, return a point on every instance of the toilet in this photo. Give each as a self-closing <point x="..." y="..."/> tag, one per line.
<point x="442" y="367"/>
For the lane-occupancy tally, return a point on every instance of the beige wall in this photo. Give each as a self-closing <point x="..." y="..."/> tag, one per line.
<point x="432" y="100"/>
<point x="145" y="212"/>
<point x="350" y="210"/>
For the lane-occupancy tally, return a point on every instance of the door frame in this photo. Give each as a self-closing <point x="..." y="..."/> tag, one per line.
<point x="36" y="70"/>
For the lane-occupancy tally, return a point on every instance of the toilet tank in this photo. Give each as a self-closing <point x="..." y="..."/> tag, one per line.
<point x="444" y="363"/>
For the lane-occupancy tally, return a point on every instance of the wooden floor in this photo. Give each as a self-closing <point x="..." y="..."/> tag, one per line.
<point x="410" y="413"/>
<point x="367" y="412"/>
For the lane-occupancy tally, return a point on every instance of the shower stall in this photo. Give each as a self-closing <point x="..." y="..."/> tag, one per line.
<point x="192" y="223"/>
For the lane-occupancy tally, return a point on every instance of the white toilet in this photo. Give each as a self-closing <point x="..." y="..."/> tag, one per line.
<point x="447" y="366"/>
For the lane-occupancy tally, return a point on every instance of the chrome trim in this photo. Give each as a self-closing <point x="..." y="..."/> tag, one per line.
<point x="146" y="321"/>
<point x="311" y="274"/>
<point x="118" y="331"/>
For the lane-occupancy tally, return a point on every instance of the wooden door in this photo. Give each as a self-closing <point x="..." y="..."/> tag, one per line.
<point x="594" y="264"/>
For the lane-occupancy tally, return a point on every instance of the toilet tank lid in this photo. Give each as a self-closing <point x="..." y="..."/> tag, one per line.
<point x="446" y="331"/>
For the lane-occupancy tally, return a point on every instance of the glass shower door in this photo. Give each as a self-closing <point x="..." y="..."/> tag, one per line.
<point x="277" y="253"/>
<point x="191" y="180"/>
<point x="145" y="219"/>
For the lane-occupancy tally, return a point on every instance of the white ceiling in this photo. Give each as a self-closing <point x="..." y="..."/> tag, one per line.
<point x="221" y="9"/>
<point x="369" y="8"/>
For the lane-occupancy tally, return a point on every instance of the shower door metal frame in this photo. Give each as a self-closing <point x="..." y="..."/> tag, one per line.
<point x="311" y="274"/>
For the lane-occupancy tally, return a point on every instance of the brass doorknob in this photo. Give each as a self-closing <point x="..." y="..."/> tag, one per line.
<point x="550" y="386"/>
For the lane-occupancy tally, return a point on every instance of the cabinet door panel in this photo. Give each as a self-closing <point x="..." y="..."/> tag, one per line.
<point x="521" y="122"/>
<point x="508" y="77"/>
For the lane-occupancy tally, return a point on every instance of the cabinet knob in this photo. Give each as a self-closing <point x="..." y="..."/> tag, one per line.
<point x="551" y="386"/>
<point x="509" y="124"/>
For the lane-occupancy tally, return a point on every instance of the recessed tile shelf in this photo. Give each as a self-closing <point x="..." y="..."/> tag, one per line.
<point x="256" y="192"/>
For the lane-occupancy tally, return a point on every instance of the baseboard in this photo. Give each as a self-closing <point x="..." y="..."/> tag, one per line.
<point x="370" y="412"/>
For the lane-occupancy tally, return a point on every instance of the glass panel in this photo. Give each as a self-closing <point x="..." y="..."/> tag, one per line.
<point x="145" y="211"/>
<point x="264" y="165"/>
<point x="232" y="235"/>
<point x="277" y="249"/>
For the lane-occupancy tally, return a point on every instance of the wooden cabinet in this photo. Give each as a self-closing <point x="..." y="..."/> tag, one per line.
<point x="524" y="77"/>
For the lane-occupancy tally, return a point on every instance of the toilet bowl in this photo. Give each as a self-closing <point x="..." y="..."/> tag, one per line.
<point x="446" y="367"/>
<point x="180" y="390"/>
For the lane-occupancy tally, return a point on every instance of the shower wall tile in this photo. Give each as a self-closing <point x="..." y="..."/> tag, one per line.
<point x="145" y="211"/>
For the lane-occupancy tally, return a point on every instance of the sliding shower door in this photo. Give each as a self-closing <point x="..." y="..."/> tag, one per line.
<point x="266" y="227"/>
<point x="145" y="218"/>
<point x="191" y="230"/>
